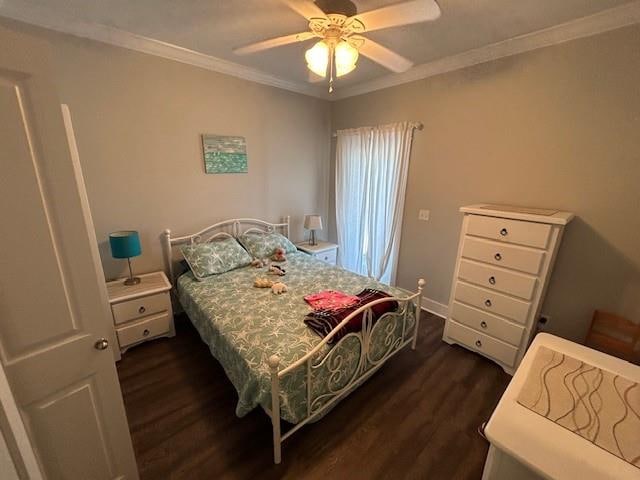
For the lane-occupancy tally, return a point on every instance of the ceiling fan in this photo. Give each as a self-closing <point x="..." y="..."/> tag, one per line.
<point x="339" y="26"/>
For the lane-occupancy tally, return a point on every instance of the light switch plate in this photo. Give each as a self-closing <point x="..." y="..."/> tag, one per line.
<point x="423" y="215"/>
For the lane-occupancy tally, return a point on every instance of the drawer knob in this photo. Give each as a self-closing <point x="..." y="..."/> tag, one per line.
<point x="498" y="257"/>
<point x="487" y="302"/>
<point x="142" y="310"/>
<point x="478" y="343"/>
<point x="483" y="324"/>
<point x="492" y="280"/>
<point x="504" y="232"/>
<point x="146" y="332"/>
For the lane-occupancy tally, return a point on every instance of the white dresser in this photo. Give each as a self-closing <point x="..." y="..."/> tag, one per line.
<point x="504" y="262"/>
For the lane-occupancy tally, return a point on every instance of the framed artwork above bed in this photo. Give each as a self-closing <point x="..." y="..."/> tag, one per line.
<point x="224" y="154"/>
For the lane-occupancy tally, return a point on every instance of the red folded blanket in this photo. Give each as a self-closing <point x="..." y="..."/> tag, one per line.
<point x="324" y="321"/>
<point x="330" y="300"/>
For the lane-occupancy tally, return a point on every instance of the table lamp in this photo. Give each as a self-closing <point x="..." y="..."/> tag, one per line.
<point x="126" y="244"/>
<point x="313" y="223"/>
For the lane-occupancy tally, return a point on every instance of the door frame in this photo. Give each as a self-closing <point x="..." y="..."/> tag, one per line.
<point x="15" y="435"/>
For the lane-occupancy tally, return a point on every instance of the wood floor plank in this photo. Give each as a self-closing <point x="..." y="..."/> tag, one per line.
<point x="416" y="418"/>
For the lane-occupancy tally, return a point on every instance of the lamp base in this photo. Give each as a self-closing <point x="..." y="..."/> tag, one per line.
<point x="312" y="238"/>
<point x="131" y="280"/>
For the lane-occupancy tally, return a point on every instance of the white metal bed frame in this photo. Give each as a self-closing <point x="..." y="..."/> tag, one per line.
<point x="333" y="360"/>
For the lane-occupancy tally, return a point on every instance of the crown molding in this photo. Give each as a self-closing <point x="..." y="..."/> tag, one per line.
<point x="601" y="22"/>
<point x="47" y="18"/>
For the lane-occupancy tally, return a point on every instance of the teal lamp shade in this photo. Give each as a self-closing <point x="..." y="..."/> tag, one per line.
<point x="125" y="244"/>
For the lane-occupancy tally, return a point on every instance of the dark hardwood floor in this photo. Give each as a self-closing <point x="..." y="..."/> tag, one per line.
<point x="416" y="418"/>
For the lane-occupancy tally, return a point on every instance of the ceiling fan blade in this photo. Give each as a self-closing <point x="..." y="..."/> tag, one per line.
<point x="414" y="11"/>
<point x="273" y="42"/>
<point x="306" y="8"/>
<point x="382" y="55"/>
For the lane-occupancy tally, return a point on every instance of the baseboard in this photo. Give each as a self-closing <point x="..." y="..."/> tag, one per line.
<point x="437" y="308"/>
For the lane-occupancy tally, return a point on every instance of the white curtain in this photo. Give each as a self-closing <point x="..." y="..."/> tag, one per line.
<point x="372" y="164"/>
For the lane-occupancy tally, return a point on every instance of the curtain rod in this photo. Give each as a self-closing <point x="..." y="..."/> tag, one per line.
<point x="416" y="125"/>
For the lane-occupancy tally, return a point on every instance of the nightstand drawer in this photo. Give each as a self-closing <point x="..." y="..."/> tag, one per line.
<point x="144" y="329"/>
<point x="329" y="256"/>
<point x="140" y="307"/>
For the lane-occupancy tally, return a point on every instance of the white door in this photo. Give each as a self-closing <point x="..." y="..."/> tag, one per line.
<point x="53" y="309"/>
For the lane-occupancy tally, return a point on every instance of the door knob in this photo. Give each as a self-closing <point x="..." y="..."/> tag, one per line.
<point x="101" y="344"/>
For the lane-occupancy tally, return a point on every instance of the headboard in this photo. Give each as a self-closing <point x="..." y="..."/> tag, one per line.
<point x="228" y="228"/>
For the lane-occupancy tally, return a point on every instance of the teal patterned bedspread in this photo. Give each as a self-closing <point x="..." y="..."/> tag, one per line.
<point x="243" y="326"/>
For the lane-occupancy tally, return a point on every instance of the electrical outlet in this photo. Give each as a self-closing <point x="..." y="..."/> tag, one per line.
<point x="423" y="215"/>
<point x="543" y="322"/>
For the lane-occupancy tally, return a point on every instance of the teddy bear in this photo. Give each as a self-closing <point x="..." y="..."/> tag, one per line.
<point x="278" y="288"/>
<point x="279" y="255"/>
<point x="276" y="270"/>
<point x="263" y="283"/>
<point x="258" y="263"/>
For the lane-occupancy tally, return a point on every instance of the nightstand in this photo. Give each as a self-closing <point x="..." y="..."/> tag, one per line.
<point x="141" y="312"/>
<point x="325" y="251"/>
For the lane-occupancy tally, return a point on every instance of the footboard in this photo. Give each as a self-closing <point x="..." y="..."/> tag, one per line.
<point x="353" y="359"/>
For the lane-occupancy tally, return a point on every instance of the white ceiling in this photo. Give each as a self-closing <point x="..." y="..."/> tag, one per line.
<point x="215" y="27"/>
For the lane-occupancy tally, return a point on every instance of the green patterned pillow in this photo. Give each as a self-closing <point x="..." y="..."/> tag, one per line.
<point x="215" y="257"/>
<point x="262" y="244"/>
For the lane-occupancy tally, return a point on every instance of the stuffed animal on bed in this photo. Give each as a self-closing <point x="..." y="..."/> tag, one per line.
<point x="279" y="255"/>
<point x="263" y="283"/>
<point x="278" y="288"/>
<point x="258" y="263"/>
<point x="276" y="270"/>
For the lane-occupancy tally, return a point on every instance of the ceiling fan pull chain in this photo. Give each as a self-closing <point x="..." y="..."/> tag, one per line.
<point x="331" y="61"/>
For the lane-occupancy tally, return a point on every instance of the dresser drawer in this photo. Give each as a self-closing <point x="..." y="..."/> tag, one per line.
<point x="487" y="323"/>
<point x="512" y="231"/>
<point x="508" y="256"/>
<point x="494" y="278"/>
<point x="329" y="256"/>
<point x="144" y="329"/>
<point x="491" y="301"/>
<point x="480" y="342"/>
<point x="140" y="307"/>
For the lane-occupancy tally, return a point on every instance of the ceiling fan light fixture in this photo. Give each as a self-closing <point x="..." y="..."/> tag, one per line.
<point x="346" y="56"/>
<point x="317" y="58"/>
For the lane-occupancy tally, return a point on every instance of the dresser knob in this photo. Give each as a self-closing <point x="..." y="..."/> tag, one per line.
<point x="487" y="302"/>
<point x="478" y="343"/>
<point x="142" y="310"/>
<point x="498" y="257"/>
<point x="504" y="232"/>
<point x="483" y="324"/>
<point x="145" y="333"/>
<point x="492" y="280"/>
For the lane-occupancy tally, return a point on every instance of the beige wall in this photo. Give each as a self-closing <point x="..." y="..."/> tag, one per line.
<point x="138" y="121"/>
<point x="557" y="127"/>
